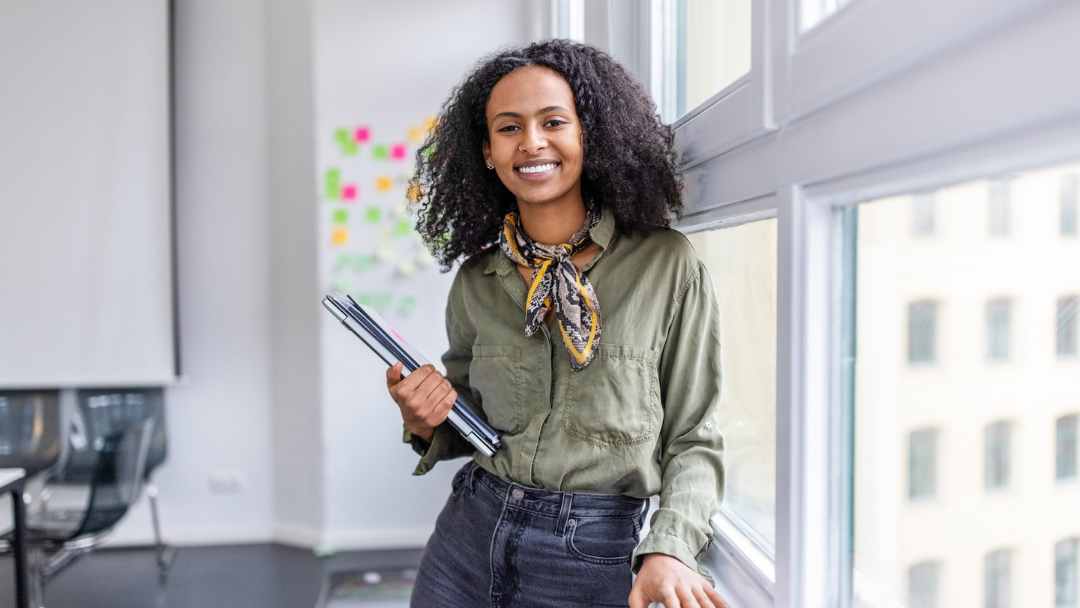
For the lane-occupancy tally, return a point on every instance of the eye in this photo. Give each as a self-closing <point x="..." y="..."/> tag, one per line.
<point x="555" y="122"/>
<point x="507" y="128"/>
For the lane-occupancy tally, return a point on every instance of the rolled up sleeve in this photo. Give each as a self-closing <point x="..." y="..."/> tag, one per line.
<point x="691" y="456"/>
<point x="446" y="442"/>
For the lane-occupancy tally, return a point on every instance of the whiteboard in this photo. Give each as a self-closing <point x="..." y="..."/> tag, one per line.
<point x="86" y="287"/>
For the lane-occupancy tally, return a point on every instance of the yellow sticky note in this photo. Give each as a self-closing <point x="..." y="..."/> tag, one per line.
<point x="416" y="134"/>
<point x="339" y="236"/>
<point x="383" y="184"/>
<point x="429" y="123"/>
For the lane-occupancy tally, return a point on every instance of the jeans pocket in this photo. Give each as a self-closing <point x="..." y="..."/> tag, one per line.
<point x="605" y="541"/>
<point x="459" y="479"/>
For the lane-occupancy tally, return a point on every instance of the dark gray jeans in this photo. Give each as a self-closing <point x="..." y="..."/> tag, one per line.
<point x="501" y="544"/>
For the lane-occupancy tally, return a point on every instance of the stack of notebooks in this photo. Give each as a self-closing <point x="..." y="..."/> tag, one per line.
<point x="381" y="338"/>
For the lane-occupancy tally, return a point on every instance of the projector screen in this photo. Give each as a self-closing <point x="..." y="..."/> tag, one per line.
<point x="86" y="285"/>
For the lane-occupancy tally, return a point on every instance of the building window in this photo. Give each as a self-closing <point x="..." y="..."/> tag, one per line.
<point x="1066" y="325"/>
<point x="924" y="579"/>
<point x="922" y="331"/>
<point x="922" y="463"/>
<point x="998" y="444"/>
<point x="1066" y="447"/>
<point x="922" y="214"/>
<point x="1066" y="567"/>
<point x="998" y="328"/>
<point x="997" y="583"/>
<point x="1070" y="194"/>
<point x="999" y="207"/>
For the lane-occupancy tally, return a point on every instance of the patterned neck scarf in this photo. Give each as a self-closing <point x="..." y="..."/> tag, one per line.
<point x="556" y="279"/>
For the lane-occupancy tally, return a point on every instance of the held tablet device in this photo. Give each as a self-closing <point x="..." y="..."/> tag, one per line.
<point x="373" y="331"/>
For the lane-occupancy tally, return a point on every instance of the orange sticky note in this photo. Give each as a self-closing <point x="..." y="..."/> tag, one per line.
<point x="339" y="236"/>
<point x="416" y="134"/>
<point x="383" y="184"/>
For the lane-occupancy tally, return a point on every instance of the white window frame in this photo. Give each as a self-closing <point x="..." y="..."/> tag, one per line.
<point x="875" y="100"/>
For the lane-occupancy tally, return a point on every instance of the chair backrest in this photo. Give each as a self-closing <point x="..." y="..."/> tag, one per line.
<point x="31" y="430"/>
<point x="118" y="477"/>
<point x="102" y="412"/>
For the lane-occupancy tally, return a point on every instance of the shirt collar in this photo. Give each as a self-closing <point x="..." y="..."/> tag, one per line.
<point x="601" y="234"/>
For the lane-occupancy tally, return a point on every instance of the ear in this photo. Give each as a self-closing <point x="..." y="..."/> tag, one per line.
<point x="487" y="151"/>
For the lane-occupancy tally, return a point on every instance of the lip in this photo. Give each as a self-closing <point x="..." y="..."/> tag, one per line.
<point x="537" y="177"/>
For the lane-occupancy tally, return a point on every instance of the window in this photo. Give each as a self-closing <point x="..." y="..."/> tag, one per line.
<point x="742" y="263"/>
<point x="1070" y="192"/>
<point x="813" y="12"/>
<point x="922" y="331"/>
<point x="997" y="451"/>
<point x="998" y="328"/>
<point x="922" y="214"/>
<point x="1065" y="432"/>
<point x="1066" y="325"/>
<point x="997" y="584"/>
<point x="1066" y="566"/>
<point x="924" y="579"/>
<point x="922" y="463"/>
<point x="999" y="207"/>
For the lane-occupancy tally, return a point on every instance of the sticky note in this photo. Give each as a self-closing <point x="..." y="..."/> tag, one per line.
<point x="406" y="305"/>
<point x="398" y="152"/>
<point x="348" y="193"/>
<point x="372" y="215"/>
<point x="349" y="147"/>
<point x="416" y="134"/>
<point x="429" y="122"/>
<point x="341" y="135"/>
<point x="339" y="236"/>
<point x="361" y="135"/>
<point x="332" y="183"/>
<point x="383" y="183"/>
<point x="402" y="227"/>
<point x="380" y="152"/>
<point x="341" y="216"/>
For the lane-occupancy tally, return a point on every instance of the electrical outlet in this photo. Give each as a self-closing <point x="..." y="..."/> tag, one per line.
<point x="226" y="482"/>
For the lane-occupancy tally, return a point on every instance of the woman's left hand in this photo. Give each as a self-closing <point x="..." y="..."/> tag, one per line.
<point x="664" y="579"/>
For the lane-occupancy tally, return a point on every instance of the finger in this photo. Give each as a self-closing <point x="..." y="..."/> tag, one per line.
<point x="714" y="595"/>
<point x="703" y="599"/>
<point x="437" y="399"/>
<point x="393" y="374"/>
<point x="686" y="597"/>
<point x="637" y="598"/>
<point x="413" y="380"/>
<point x="670" y="599"/>
<point x="431" y="388"/>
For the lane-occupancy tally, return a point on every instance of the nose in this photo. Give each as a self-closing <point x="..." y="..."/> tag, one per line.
<point x="533" y="140"/>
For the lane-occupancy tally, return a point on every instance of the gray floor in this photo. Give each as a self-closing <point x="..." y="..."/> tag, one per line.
<point x="256" y="576"/>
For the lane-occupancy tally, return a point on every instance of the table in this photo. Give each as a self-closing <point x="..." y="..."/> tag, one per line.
<point x="11" y="480"/>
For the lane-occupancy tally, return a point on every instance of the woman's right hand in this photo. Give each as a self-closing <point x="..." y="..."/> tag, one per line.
<point x="424" y="398"/>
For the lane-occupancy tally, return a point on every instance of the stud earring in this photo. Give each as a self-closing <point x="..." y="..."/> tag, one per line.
<point x="490" y="165"/>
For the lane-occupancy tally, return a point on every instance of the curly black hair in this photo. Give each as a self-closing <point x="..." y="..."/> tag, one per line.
<point x="629" y="162"/>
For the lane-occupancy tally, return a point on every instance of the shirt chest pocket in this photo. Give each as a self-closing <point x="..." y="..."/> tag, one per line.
<point x="495" y="373"/>
<point x="615" y="400"/>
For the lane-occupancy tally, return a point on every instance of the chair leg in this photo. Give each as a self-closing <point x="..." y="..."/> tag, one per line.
<point x="36" y="574"/>
<point x="165" y="553"/>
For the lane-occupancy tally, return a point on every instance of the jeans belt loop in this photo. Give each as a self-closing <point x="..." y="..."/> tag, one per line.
<point x="564" y="513"/>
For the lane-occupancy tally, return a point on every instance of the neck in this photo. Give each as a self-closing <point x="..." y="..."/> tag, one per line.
<point x="553" y="222"/>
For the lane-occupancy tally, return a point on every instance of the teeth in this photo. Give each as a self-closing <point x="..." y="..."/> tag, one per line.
<point x="538" y="168"/>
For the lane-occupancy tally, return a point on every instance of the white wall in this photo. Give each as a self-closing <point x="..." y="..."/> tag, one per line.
<point x="219" y="414"/>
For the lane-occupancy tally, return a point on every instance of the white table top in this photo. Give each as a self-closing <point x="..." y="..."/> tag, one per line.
<point x="10" y="476"/>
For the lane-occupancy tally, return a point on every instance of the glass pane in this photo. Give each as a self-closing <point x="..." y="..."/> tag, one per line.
<point x="965" y="397"/>
<point x="813" y="12"/>
<point x="1066" y="571"/>
<point x="711" y="50"/>
<point x="742" y="263"/>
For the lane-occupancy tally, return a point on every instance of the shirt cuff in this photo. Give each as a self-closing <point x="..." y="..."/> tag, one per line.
<point x="674" y="545"/>
<point x="429" y="453"/>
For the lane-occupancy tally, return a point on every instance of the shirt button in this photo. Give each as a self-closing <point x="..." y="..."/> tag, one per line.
<point x="518" y="494"/>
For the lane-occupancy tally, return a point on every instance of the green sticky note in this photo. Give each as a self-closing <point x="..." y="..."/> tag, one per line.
<point x="341" y="216"/>
<point x="349" y="148"/>
<point x="373" y="215"/>
<point x="333" y="184"/>
<point x="406" y="305"/>
<point x="380" y="152"/>
<point x="364" y="263"/>
<point x="342" y="135"/>
<point x="402" y="227"/>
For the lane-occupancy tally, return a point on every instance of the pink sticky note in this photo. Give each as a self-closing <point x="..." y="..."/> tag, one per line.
<point x="397" y="152"/>
<point x="361" y="135"/>
<point x="348" y="192"/>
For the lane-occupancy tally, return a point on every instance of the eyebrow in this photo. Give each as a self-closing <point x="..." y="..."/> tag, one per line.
<point x="540" y="111"/>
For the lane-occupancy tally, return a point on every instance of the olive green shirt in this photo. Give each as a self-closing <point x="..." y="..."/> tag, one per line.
<point x="641" y="419"/>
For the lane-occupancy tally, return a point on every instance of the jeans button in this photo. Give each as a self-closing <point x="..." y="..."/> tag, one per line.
<point x="517" y="494"/>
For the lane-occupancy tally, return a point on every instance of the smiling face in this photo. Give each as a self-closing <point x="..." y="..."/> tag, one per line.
<point x="534" y="137"/>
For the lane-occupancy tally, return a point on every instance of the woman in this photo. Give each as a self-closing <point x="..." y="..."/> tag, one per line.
<point x="584" y="328"/>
